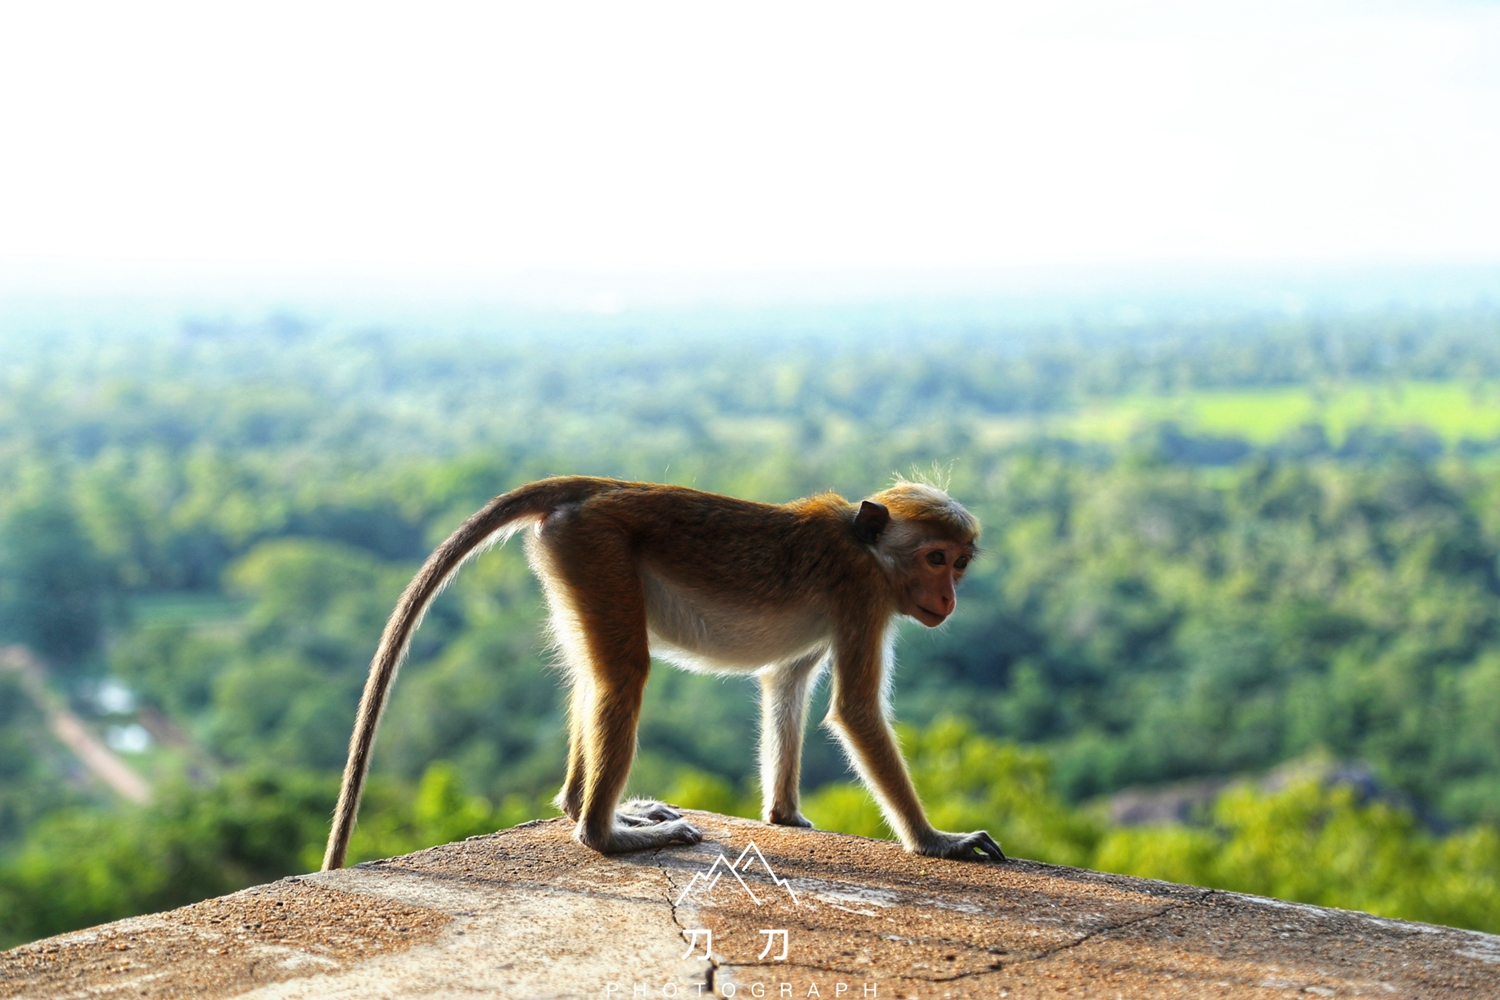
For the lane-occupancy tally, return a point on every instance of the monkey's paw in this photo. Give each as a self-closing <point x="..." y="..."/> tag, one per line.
<point x="622" y="839"/>
<point x="644" y="812"/>
<point x="793" y="818"/>
<point x="976" y="846"/>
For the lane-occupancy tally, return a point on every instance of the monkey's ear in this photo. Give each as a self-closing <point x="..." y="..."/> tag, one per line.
<point x="870" y="521"/>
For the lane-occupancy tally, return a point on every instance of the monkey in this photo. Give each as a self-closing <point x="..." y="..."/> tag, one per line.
<point x="709" y="583"/>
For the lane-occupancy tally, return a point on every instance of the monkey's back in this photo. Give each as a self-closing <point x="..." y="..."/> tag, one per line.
<point x="757" y="551"/>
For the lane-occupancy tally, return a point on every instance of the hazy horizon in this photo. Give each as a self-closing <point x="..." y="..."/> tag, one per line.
<point x="1121" y="296"/>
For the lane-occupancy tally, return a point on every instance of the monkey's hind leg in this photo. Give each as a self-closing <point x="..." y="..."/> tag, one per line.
<point x="611" y="656"/>
<point x="570" y="797"/>
<point x="608" y="752"/>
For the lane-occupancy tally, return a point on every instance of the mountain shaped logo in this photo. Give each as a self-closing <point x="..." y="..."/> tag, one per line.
<point x="705" y="881"/>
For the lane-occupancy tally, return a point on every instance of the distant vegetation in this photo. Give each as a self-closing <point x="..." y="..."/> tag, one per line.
<point x="1209" y="550"/>
<point x="1436" y="414"/>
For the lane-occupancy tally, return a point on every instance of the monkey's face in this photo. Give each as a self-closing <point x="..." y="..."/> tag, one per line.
<point x="931" y="594"/>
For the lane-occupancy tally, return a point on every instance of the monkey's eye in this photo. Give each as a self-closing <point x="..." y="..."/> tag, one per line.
<point x="961" y="563"/>
<point x="937" y="557"/>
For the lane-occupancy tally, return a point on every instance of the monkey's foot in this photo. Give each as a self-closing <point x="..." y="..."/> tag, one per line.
<point x="976" y="846"/>
<point x="622" y="838"/>
<point x="793" y="818"/>
<point x="571" y="807"/>
<point x="644" y="812"/>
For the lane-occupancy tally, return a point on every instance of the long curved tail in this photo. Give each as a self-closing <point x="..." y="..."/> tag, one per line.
<point x="493" y="523"/>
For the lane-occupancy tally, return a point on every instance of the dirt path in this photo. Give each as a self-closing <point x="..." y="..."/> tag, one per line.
<point x="70" y="730"/>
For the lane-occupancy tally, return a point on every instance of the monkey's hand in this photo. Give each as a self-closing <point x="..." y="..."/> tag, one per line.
<point x="976" y="846"/>
<point x="792" y="818"/>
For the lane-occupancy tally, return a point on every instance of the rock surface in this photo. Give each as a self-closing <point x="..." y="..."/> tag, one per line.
<point x="528" y="913"/>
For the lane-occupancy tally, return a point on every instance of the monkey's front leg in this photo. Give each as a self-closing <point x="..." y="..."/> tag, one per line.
<point x="857" y="718"/>
<point x="784" y="693"/>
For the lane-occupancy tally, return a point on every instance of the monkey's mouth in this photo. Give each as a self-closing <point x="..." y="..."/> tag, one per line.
<point x="930" y="618"/>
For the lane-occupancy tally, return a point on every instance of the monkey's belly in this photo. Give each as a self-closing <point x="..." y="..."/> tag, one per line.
<point x="700" y="634"/>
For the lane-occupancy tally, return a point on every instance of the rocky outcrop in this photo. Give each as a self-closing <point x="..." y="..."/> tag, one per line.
<point x="753" y="911"/>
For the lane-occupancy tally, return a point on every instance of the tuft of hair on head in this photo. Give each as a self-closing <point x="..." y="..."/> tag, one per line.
<point x="924" y="503"/>
<point x="937" y="475"/>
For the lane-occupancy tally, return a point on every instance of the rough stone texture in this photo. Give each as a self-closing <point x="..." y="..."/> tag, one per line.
<point x="528" y="913"/>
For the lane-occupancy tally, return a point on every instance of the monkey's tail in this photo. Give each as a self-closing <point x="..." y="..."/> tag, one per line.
<point x="493" y="523"/>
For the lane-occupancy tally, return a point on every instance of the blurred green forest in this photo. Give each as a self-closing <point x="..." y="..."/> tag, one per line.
<point x="1211" y="547"/>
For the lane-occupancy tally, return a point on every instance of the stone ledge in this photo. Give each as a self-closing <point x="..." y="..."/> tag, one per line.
<point x="528" y="913"/>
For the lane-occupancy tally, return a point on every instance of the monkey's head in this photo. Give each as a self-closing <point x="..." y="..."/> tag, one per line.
<point x="927" y="540"/>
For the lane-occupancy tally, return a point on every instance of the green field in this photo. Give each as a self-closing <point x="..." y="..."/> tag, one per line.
<point x="1452" y="410"/>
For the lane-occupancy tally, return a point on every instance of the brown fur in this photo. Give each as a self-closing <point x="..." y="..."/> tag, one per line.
<point x="714" y="583"/>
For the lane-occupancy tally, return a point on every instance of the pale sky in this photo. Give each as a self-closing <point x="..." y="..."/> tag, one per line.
<point x="423" y="139"/>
